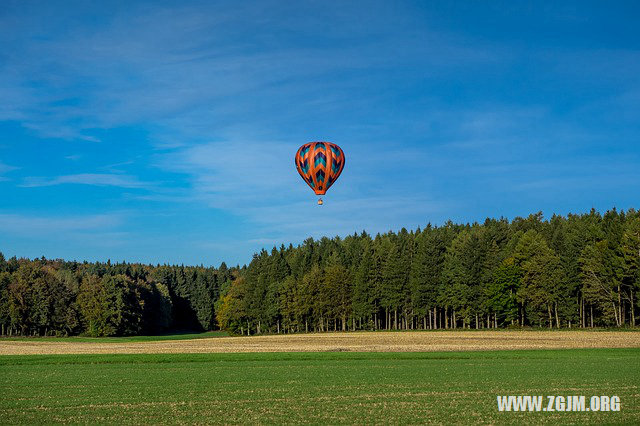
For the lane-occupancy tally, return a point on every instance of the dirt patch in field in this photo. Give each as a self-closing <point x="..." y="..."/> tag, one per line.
<point x="359" y="341"/>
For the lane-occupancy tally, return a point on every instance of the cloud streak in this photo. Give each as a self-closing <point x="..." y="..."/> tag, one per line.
<point x="5" y="168"/>
<point x="258" y="181"/>
<point x="30" y="225"/>
<point x="95" y="179"/>
<point x="132" y="69"/>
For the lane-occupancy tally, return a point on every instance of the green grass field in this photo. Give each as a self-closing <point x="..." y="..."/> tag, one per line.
<point x="456" y="387"/>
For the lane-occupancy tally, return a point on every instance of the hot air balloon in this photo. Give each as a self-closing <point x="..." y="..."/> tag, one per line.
<point x="319" y="164"/>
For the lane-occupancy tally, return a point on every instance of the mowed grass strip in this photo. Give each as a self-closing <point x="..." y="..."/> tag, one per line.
<point x="344" y="388"/>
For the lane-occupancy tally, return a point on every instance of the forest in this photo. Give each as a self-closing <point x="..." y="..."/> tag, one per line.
<point x="574" y="271"/>
<point x="57" y="298"/>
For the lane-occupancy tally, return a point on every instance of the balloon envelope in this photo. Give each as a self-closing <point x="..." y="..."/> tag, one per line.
<point x="320" y="164"/>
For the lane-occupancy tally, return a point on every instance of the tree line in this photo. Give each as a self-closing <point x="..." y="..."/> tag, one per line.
<point x="568" y="271"/>
<point x="57" y="298"/>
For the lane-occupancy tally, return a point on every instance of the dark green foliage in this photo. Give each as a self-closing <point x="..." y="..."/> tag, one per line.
<point x="501" y="292"/>
<point x="337" y="285"/>
<point x="53" y="297"/>
<point x="574" y="271"/>
<point x="577" y="271"/>
<point x="363" y="297"/>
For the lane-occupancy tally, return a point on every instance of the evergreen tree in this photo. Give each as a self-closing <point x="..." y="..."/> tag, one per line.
<point x="501" y="293"/>
<point x="542" y="278"/>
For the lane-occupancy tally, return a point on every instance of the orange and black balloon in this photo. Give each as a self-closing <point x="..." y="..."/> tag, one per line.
<point x="320" y="165"/>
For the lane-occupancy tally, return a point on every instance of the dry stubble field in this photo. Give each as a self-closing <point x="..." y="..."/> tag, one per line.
<point x="416" y="341"/>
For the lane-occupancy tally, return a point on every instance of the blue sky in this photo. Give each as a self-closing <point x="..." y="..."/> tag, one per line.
<point x="165" y="131"/>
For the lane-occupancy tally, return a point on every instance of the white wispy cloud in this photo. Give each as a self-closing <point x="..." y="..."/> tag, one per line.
<point x="234" y="174"/>
<point x="96" y="179"/>
<point x="132" y="68"/>
<point x="33" y="225"/>
<point x="257" y="181"/>
<point x="5" y="168"/>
